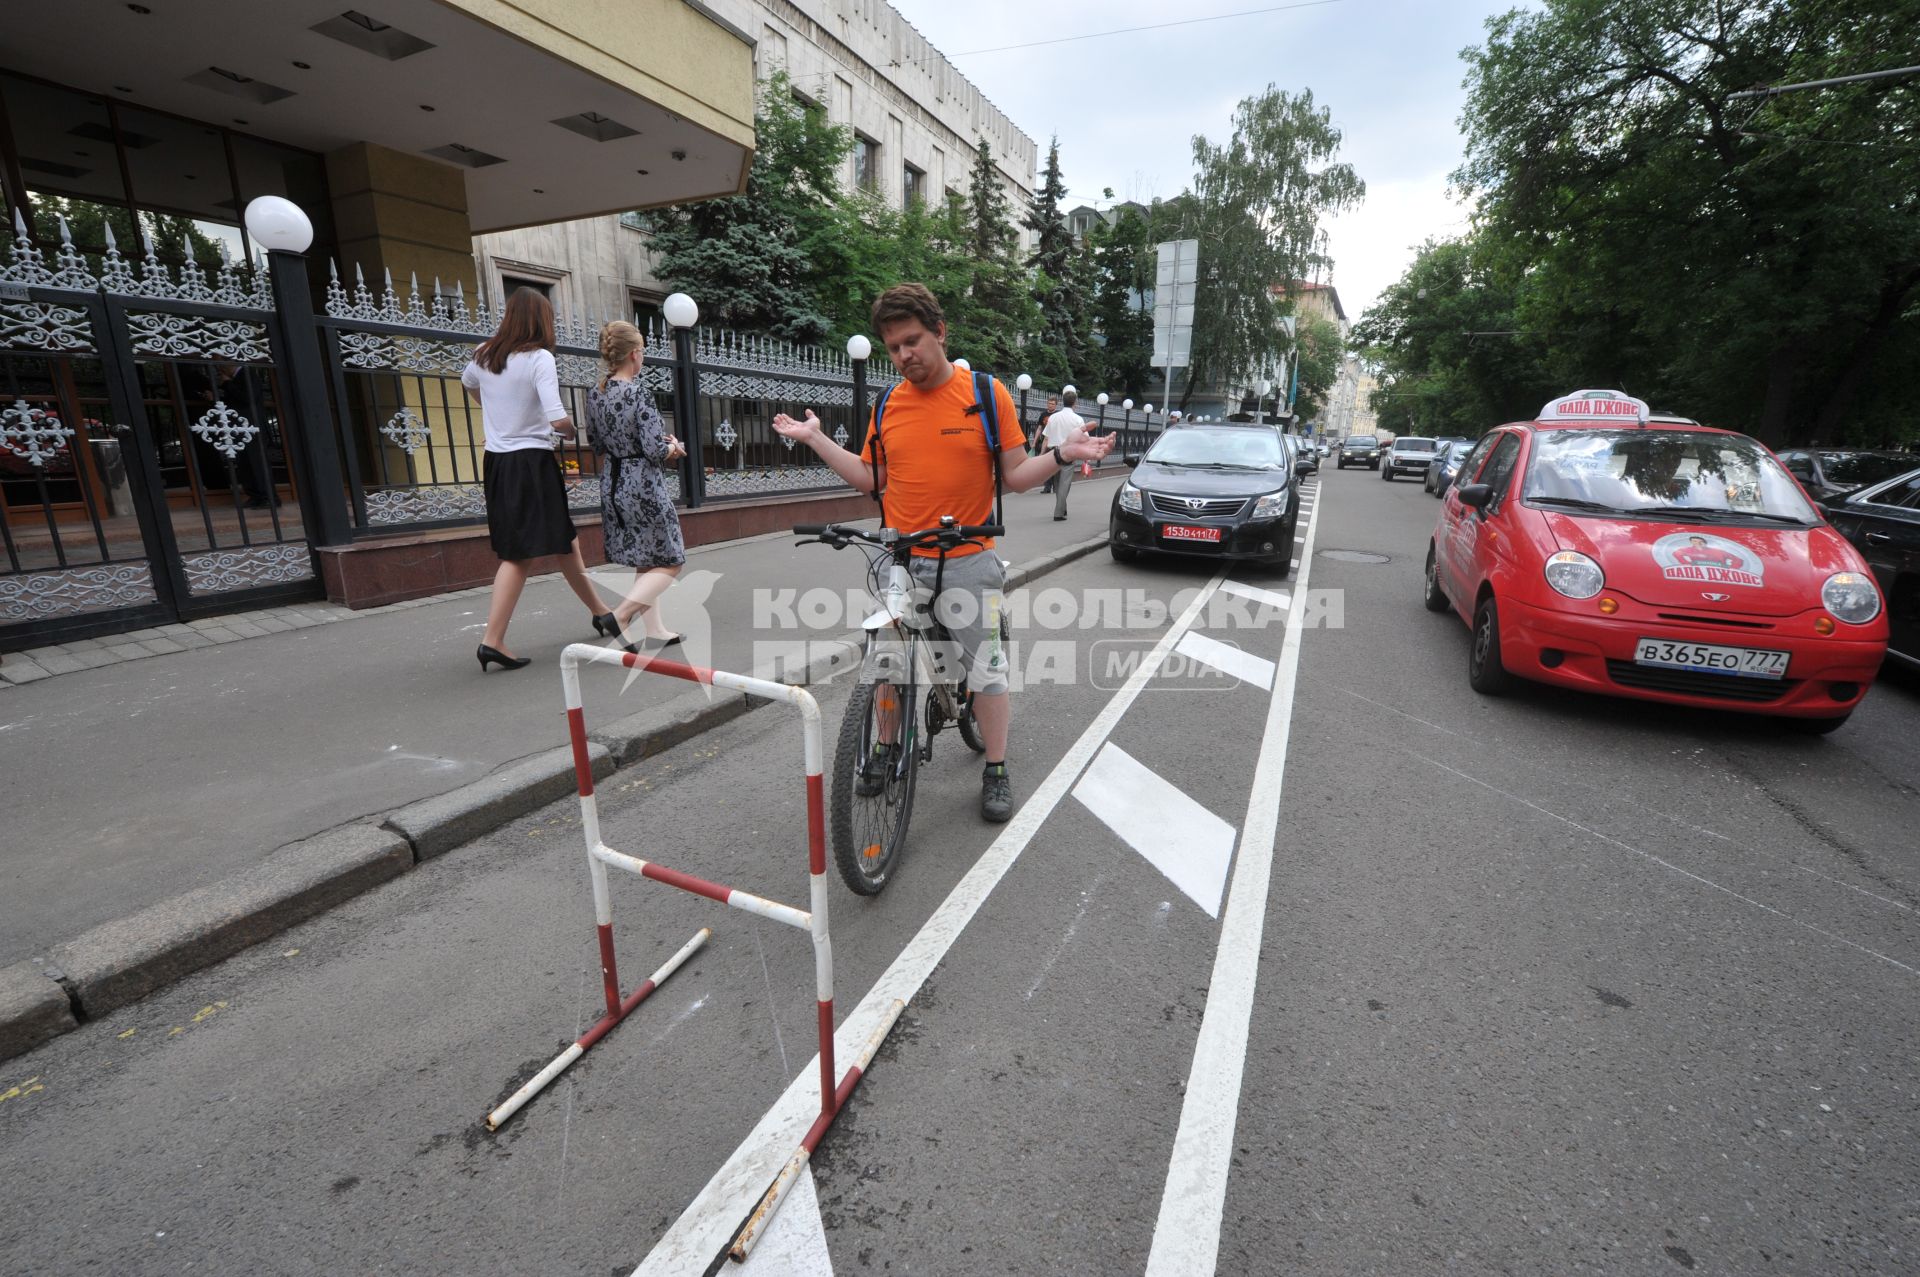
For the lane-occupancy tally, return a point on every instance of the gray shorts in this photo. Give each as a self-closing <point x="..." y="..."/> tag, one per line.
<point x="970" y="606"/>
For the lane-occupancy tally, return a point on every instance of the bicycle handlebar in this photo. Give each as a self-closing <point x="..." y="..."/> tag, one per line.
<point x="947" y="535"/>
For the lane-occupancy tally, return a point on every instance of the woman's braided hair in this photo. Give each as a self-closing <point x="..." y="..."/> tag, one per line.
<point x="618" y="340"/>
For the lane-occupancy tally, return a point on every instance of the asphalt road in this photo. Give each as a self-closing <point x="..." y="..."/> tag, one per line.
<point x="1542" y="984"/>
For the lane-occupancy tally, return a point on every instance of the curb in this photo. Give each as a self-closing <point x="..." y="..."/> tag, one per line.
<point x="124" y="960"/>
<point x="120" y="962"/>
<point x="434" y="826"/>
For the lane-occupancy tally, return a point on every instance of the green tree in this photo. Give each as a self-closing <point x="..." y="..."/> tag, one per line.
<point x="1320" y="350"/>
<point x="1062" y="275"/>
<point x="1121" y="256"/>
<point x="1752" y="263"/>
<point x="1258" y="203"/>
<point x="754" y="259"/>
<point x="1446" y="338"/>
<point x="989" y="321"/>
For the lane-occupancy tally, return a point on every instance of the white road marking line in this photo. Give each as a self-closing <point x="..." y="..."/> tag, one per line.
<point x="795" y="1243"/>
<point x="1668" y="864"/>
<point x="1177" y="835"/>
<point x="708" y="1224"/>
<point x="1186" y="1237"/>
<point x="1228" y="659"/>
<point x="1272" y="598"/>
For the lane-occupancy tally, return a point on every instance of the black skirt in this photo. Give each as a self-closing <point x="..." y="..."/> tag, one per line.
<point x="527" y="504"/>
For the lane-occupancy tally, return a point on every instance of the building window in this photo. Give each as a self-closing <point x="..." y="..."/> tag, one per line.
<point x="913" y="191"/>
<point x="510" y="284"/>
<point x="647" y="315"/>
<point x="866" y="162"/>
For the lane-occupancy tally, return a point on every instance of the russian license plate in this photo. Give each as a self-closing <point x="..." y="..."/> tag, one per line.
<point x="1182" y="532"/>
<point x="1708" y="658"/>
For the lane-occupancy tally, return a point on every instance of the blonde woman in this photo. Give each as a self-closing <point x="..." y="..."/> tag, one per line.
<point x="636" y="509"/>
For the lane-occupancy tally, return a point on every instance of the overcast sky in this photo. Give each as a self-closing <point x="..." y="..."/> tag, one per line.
<point x="1126" y="107"/>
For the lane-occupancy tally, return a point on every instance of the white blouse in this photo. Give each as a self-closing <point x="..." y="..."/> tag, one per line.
<point x="520" y="403"/>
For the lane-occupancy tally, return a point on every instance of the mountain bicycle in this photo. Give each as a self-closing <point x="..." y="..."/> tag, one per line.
<point x="912" y="686"/>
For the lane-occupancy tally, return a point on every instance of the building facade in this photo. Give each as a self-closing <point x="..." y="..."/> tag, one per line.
<point x="184" y="431"/>
<point x="915" y="118"/>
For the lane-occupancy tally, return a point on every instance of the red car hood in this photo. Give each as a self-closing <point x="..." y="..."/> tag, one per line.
<point x="1760" y="571"/>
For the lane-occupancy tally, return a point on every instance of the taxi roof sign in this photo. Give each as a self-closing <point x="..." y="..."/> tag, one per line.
<point x="1596" y="406"/>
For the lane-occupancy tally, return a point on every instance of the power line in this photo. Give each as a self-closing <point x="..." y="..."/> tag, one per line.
<point x="1157" y="26"/>
<point x="1767" y="91"/>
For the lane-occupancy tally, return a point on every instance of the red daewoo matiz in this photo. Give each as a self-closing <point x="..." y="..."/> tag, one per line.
<point x="1601" y="549"/>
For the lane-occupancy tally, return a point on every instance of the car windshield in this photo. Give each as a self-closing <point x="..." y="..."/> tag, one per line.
<point x="1202" y="447"/>
<point x="1858" y="469"/>
<point x="1361" y="441"/>
<point x="1455" y="451"/>
<point x="1662" y="472"/>
<point x="1414" y="445"/>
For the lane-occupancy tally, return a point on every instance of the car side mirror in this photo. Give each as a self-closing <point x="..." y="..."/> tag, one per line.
<point x="1304" y="468"/>
<point x="1131" y="458"/>
<point x="1477" y="495"/>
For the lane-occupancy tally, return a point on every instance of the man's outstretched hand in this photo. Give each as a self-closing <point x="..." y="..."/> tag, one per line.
<point x="1081" y="446"/>
<point x="808" y="431"/>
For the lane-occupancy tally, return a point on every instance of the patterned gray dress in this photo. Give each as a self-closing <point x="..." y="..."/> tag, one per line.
<point x="636" y="507"/>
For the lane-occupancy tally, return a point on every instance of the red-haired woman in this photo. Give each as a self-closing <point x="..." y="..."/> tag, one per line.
<point x="514" y="379"/>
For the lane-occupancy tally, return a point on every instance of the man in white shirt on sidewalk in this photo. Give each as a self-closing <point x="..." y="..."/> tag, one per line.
<point x="1060" y="427"/>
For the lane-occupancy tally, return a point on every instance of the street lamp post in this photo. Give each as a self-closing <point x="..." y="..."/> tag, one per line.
<point x="283" y="229"/>
<point x="1100" y="400"/>
<point x="859" y="350"/>
<point x="681" y="315"/>
<point x="1023" y="383"/>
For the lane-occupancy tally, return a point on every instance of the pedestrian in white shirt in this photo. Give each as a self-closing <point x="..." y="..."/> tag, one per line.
<point x="1060" y="427"/>
<point x="514" y="380"/>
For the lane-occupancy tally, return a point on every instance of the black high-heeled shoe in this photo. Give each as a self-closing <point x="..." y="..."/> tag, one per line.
<point x="652" y="644"/>
<point x="606" y="626"/>
<point x="505" y="662"/>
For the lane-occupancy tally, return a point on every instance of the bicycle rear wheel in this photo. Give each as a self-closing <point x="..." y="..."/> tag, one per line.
<point x="879" y="753"/>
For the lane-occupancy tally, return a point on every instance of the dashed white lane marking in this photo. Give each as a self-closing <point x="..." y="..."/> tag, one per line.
<point x="1228" y="659"/>
<point x="1186" y="1236"/>
<point x="1272" y="598"/>
<point x="1179" y="837"/>
<point x="709" y="1223"/>
<point x="795" y="1243"/>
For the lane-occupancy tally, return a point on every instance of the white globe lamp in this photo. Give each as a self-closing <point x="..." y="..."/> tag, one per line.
<point x="278" y="225"/>
<point x="1023" y="382"/>
<point x="858" y="347"/>
<point x="963" y="365"/>
<point x="1148" y="409"/>
<point x="1069" y="389"/>
<point x="680" y="310"/>
<point x="1101" y="399"/>
<point x="1127" y="404"/>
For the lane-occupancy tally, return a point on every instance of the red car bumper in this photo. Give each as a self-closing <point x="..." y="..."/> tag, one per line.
<point x="1825" y="677"/>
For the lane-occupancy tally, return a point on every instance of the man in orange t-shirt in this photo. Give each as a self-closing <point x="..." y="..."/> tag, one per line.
<point x="933" y="461"/>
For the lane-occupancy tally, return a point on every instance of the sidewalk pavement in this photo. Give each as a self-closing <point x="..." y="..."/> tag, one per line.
<point x="163" y="771"/>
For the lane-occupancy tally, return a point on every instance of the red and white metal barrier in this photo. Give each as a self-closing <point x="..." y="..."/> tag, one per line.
<point x="833" y="1090"/>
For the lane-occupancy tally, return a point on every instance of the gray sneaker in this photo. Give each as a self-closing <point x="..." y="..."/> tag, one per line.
<point x="996" y="794"/>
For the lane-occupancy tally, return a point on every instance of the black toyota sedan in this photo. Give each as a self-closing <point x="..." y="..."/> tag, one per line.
<point x="1213" y="492"/>
<point x="1883" y="523"/>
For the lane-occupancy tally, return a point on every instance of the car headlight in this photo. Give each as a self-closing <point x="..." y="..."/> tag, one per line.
<point x="1852" y="597"/>
<point x="1271" y="506"/>
<point x="1575" y="575"/>
<point x="1129" y="498"/>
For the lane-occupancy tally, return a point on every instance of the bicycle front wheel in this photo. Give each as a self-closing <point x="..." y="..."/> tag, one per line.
<point x="874" y="769"/>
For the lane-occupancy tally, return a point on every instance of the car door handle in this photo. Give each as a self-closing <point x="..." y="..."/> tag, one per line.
<point x="1879" y="536"/>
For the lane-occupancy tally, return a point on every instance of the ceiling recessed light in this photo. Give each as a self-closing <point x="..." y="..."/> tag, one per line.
<point x="304" y="66"/>
<point x="642" y="172"/>
<point x="425" y="107"/>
